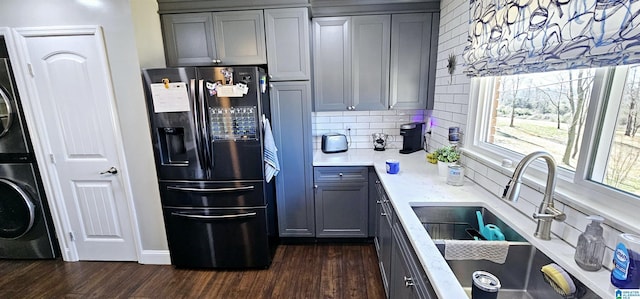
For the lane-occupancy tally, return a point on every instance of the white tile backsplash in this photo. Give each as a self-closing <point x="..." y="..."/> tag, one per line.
<point x="363" y="124"/>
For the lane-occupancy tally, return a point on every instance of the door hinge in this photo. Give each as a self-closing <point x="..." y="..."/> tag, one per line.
<point x="52" y="158"/>
<point x="30" y="67"/>
<point x="71" y="237"/>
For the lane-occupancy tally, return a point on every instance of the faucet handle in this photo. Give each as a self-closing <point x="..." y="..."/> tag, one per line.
<point x="551" y="213"/>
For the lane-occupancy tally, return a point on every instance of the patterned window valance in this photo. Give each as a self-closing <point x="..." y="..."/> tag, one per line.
<point x="527" y="36"/>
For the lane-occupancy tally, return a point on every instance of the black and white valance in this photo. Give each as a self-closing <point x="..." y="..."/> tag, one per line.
<point x="527" y="36"/>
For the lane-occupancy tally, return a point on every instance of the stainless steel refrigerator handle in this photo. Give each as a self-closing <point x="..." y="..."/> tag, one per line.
<point x="244" y="188"/>
<point x="196" y="119"/>
<point x="215" y="216"/>
<point x="204" y="128"/>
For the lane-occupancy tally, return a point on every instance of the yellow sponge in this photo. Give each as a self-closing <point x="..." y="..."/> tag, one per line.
<point x="559" y="279"/>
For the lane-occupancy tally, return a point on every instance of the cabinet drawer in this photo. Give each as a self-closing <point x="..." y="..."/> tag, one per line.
<point x="340" y="174"/>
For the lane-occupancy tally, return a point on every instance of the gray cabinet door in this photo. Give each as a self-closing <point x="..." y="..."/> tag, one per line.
<point x="410" y="60"/>
<point x="240" y="37"/>
<point x="291" y="123"/>
<point x="288" y="43"/>
<point x="188" y="39"/>
<point x="370" y="61"/>
<point x="384" y="237"/>
<point x="342" y="209"/>
<point x="332" y="63"/>
<point x="401" y="284"/>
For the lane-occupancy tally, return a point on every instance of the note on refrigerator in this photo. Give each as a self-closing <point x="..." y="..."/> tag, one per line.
<point x="170" y="97"/>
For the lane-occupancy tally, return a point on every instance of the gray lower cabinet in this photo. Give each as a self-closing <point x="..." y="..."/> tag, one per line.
<point x="408" y="279"/>
<point x="229" y="37"/>
<point x="413" y="60"/>
<point x="287" y="32"/>
<point x="384" y="235"/>
<point x="401" y="271"/>
<point x="341" y="202"/>
<point x="291" y="123"/>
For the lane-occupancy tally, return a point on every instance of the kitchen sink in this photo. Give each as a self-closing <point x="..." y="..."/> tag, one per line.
<point x="519" y="276"/>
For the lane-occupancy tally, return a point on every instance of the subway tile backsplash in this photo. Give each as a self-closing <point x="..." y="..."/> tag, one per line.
<point x="363" y="124"/>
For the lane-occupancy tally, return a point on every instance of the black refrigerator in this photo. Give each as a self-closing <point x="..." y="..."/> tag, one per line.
<point x="208" y="132"/>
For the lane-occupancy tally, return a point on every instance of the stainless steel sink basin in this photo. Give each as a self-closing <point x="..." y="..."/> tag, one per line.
<point x="455" y="223"/>
<point x="519" y="276"/>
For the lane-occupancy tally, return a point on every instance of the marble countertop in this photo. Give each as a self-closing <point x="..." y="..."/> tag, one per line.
<point x="418" y="184"/>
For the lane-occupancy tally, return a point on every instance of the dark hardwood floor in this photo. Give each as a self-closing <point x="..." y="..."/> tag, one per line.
<point x="297" y="271"/>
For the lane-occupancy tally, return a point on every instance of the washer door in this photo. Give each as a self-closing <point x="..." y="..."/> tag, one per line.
<point x="17" y="211"/>
<point x="6" y="113"/>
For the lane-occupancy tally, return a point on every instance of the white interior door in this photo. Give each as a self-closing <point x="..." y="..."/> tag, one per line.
<point x="71" y="78"/>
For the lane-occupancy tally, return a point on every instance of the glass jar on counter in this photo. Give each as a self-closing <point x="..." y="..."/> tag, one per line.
<point x="455" y="175"/>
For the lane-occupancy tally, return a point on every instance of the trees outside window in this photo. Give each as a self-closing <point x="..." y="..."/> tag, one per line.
<point x="549" y="111"/>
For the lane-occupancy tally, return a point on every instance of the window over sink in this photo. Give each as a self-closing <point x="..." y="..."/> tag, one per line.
<point x="586" y="118"/>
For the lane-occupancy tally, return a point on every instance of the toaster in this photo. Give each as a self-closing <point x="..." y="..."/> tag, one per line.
<point x="334" y="143"/>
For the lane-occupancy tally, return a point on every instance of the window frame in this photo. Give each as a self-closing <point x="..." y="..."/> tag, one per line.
<point x="574" y="188"/>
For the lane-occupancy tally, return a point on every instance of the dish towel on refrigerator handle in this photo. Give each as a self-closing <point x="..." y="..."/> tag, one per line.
<point x="271" y="164"/>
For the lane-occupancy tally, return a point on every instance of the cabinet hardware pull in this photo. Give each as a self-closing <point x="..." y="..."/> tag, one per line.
<point x="408" y="282"/>
<point x="214" y="216"/>
<point x="245" y="188"/>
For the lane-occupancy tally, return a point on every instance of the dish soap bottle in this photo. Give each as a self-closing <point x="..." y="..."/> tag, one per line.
<point x="590" y="249"/>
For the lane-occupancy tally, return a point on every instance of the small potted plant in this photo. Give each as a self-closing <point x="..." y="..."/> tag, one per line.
<point x="446" y="155"/>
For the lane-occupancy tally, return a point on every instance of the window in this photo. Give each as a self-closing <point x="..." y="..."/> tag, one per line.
<point x="616" y="162"/>
<point x="567" y="113"/>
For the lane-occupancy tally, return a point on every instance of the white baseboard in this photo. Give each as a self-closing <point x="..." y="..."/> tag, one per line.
<point x="155" y="257"/>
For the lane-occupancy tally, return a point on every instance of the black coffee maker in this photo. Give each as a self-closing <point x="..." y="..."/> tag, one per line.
<point x="412" y="137"/>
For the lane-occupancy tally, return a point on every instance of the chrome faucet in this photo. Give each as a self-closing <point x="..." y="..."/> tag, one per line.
<point x="546" y="212"/>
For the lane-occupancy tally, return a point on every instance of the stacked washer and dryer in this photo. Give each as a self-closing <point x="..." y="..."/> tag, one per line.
<point x="26" y="229"/>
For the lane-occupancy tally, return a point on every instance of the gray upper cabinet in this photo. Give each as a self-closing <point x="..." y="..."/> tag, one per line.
<point x="412" y="60"/>
<point x="375" y="62"/>
<point x="332" y="63"/>
<point x="370" y="61"/>
<point x="351" y="63"/>
<point x="188" y="39"/>
<point x="291" y="123"/>
<point x="287" y="32"/>
<point x="198" y="39"/>
<point x="240" y="37"/>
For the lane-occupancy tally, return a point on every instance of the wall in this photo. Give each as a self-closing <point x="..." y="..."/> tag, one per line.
<point x="451" y="109"/>
<point x="146" y="27"/>
<point x="116" y="20"/>
<point x="363" y="124"/>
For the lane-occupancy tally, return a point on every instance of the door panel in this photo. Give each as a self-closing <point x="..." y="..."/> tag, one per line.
<point x="96" y="205"/>
<point x="71" y="79"/>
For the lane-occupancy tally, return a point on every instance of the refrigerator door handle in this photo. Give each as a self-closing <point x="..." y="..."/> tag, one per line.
<point x="244" y="188"/>
<point x="196" y="119"/>
<point x="204" y="127"/>
<point x="232" y="216"/>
